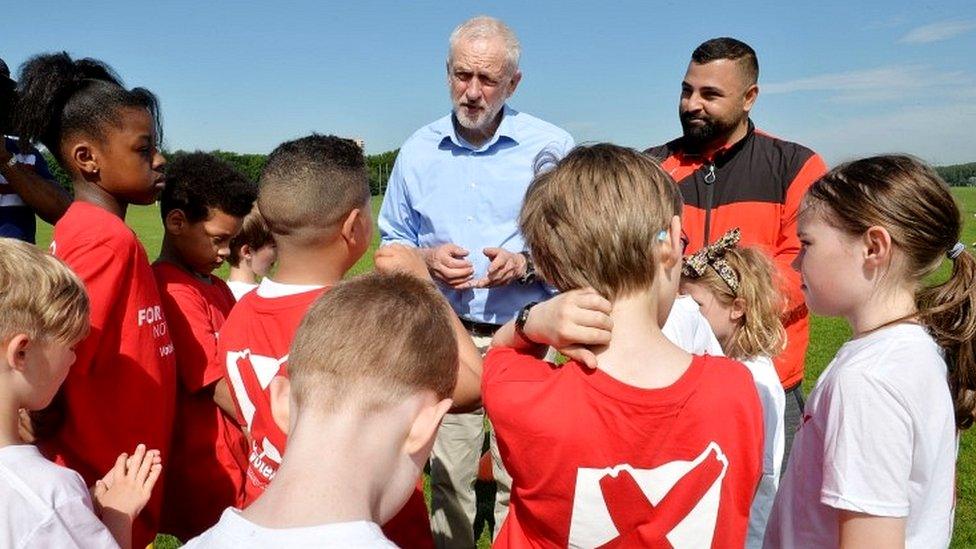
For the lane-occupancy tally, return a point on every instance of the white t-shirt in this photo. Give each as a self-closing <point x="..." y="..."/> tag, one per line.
<point x="773" y="401"/>
<point x="878" y="436"/>
<point x="234" y="531"/>
<point x="239" y="288"/>
<point x="687" y="328"/>
<point x="45" y="505"/>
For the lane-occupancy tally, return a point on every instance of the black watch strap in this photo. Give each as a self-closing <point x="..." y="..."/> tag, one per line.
<point x="529" y="276"/>
<point x="521" y="318"/>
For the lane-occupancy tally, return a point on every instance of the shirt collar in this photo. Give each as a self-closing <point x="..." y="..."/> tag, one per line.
<point x="506" y="131"/>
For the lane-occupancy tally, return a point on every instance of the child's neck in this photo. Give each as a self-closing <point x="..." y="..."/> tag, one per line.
<point x="9" y="418"/>
<point x="91" y="193"/>
<point x="639" y="354"/>
<point x="348" y="488"/>
<point x="242" y="274"/>
<point x="882" y="308"/>
<point x="319" y="266"/>
<point x="168" y="253"/>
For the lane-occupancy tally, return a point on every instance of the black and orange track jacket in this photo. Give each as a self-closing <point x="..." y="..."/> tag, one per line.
<point x="755" y="184"/>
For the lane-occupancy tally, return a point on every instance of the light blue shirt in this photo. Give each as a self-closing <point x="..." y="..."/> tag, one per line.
<point x="445" y="190"/>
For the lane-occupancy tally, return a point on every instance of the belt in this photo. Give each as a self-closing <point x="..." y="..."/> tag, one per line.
<point x="480" y="329"/>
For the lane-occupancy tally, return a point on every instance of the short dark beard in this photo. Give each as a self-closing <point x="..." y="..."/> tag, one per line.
<point x="698" y="137"/>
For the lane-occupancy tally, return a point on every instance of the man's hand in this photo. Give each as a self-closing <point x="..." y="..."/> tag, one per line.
<point x="399" y="258"/>
<point x="505" y="267"/>
<point x="446" y="263"/>
<point x="572" y="322"/>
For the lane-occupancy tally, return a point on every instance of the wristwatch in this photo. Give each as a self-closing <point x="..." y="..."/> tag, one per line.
<point x="529" y="276"/>
<point x="521" y="318"/>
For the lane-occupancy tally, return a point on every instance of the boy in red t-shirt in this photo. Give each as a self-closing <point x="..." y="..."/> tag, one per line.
<point x="314" y="197"/>
<point x="626" y="454"/>
<point x="202" y="207"/>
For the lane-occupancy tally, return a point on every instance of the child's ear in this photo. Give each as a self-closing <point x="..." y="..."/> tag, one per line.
<point x="673" y="243"/>
<point x="424" y="426"/>
<point x="280" y="390"/>
<point x="81" y="155"/>
<point x="738" y="309"/>
<point x="246" y="252"/>
<point x="352" y="230"/>
<point x="175" y="221"/>
<point x="15" y="351"/>
<point x="877" y="244"/>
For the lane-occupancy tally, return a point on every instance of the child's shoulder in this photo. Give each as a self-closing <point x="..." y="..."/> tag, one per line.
<point x="902" y="355"/>
<point x="505" y="362"/>
<point x="28" y="476"/>
<point x="85" y="225"/>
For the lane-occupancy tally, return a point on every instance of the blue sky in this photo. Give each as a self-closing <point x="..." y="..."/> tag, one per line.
<point x="848" y="79"/>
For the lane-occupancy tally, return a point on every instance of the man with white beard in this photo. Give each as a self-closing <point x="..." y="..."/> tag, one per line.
<point x="455" y="194"/>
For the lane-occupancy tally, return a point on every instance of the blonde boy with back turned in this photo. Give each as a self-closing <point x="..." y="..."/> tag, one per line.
<point x="361" y="419"/>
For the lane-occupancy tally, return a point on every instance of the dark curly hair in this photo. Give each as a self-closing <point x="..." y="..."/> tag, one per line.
<point x="59" y="96"/>
<point x="198" y="182"/>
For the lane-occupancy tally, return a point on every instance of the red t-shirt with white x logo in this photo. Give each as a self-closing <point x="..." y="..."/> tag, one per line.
<point x="598" y="463"/>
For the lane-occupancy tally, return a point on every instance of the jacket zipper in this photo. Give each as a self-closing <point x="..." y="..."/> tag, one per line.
<point x="709" y="196"/>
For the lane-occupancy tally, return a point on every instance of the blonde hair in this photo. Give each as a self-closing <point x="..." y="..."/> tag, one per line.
<point x="372" y="341"/>
<point x="40" y="296"/>
<point x="907" y="198"/>
<point x="759" y="331"/>
<point x="596" y="219"/>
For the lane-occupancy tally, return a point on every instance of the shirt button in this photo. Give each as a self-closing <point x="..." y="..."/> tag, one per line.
<point x="470" y="218"/>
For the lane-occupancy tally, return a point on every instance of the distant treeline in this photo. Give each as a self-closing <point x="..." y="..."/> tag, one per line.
<point x="379" y="165"/>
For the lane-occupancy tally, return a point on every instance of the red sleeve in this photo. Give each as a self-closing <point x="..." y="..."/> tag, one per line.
<point x="101" y="269"/>
<point x="194" y="336"/>
<point x="788" y="244"/>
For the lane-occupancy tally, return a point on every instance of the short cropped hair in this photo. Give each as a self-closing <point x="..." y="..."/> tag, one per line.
<point x="595" y="218"/>
<point x="732" y="49"/>
<point x="310" y="184"/>
<point x="198" y="182"/>
<point x="485" y="27"/>
<point x="40" y="296"/>
<point x="254" y="233"/>
<point x="371" y="342"/>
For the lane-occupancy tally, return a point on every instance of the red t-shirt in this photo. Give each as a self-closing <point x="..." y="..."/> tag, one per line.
<point x="598" y="463"/>
<point x="121" y="390"/>
<point x="255" y="342"/>
<point x="209" y="452"/>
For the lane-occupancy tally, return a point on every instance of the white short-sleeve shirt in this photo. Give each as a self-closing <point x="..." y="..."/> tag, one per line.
<point x="234" y="531"/>
<point x="45" y="505"/>
<point x="878" y="437"/>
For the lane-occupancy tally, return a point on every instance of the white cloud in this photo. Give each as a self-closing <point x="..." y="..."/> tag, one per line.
<point x="892" y="83"/>
<point x="936" y="32"/>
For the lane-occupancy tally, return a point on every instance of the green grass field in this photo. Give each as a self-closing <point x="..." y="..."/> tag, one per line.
<point x="826" y="335"/>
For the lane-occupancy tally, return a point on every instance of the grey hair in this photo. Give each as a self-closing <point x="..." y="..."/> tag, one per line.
<point x="483" y="27"/>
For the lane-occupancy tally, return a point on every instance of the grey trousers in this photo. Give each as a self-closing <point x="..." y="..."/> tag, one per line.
<point x="454" y="464"/>
<point x="793" y="415"/>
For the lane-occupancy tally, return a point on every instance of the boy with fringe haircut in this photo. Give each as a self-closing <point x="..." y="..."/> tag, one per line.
<point x="252" y="255"/>
<point x="626" y="454"/>
<point x="44" y="313"/>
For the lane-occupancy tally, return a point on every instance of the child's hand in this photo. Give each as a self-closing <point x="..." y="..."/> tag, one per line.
<point x="572" y="322"/>
<point x="399" y="258"/>
<point x="126" y="488"/>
